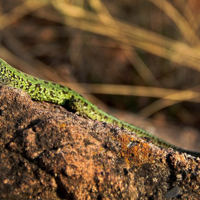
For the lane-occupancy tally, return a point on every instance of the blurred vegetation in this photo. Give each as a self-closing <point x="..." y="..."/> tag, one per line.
<point x="138" y="55"/>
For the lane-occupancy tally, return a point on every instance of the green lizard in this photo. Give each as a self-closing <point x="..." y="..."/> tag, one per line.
<point x="42" y="90"/>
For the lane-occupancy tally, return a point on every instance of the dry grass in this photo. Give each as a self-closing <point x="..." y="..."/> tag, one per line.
<point x="160" y="50"/>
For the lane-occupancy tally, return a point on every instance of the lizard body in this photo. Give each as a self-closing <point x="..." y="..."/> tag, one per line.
<point x="48" y="91"/>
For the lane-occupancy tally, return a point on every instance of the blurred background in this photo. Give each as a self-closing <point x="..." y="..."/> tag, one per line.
<point x="138" y="60"/>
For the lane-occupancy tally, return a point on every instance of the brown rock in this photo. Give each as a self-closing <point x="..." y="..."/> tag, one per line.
<point x="50" y="153"/>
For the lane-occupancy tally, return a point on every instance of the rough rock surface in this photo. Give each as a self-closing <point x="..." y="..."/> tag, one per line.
<point x="47" y="152"/>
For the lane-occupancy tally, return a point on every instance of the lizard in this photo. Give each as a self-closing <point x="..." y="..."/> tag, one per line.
<point x="43" y="90"/>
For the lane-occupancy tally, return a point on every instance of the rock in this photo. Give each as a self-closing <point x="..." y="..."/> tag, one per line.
<point x="50" y="153"/>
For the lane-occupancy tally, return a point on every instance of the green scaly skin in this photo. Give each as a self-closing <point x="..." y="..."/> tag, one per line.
<point x="42" y="90"/>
